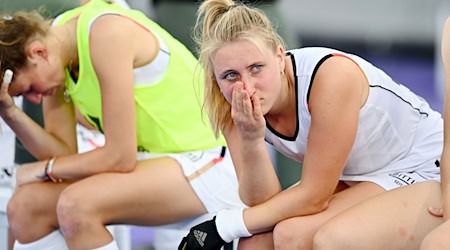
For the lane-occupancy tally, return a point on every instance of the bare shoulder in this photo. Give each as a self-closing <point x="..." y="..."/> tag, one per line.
<point x="340" y="79"/>
<point x="121" y="36"/>
<point x="112" y="27"/>
<point x="339" y="68"/>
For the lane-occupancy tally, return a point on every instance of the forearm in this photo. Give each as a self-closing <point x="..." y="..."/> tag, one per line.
<point x="39" y="142"/>
<point x="97" y="161"/>
<point x="258" y="181"/>
<point x="237" y="223"/>
<point x="290" y="203"/>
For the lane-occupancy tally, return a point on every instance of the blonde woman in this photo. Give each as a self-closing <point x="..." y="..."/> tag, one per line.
<point x="370" y="147"/>
<point x="134" y="82"/>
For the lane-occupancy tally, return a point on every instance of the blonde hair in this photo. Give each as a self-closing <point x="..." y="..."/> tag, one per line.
<point x="220" y="22"/>
<point x="16" y="31"/>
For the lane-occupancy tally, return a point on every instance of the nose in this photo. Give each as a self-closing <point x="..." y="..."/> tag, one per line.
<point x="249" y="85"/>
<point x="34" y="98"/>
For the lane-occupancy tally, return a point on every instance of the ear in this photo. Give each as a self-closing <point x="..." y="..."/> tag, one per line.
<point x="37" y="51"/>
<point x="281" y="57"/>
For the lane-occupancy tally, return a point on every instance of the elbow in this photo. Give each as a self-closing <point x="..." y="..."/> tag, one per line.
<point x="317" y="205"/>
<point x="255" y="198"/>
<point x="121" y="162"/>
<point x="311" y="200"/>
<point x="126" y="166"/>
<point x="126" y="163"/>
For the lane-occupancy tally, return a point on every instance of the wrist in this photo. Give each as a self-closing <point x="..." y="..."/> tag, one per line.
<point x="48" y="174"/>
<point x="44" y="175"/>
<point x="9" y="113"/>
<point x="230" y="224"/>
<point x="49" y="170"/>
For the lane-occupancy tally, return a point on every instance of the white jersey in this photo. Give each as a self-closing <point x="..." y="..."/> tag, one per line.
<point x="398" y="133"/>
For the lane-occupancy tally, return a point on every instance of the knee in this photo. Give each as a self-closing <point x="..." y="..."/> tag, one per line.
<point x="71" y="212"/>
<point x="285" y="236"/>
<point x="23" y="206"/>
<point x="246" y="244"/>
<point x="331" y="236"/>
<point x="263" y="241"/>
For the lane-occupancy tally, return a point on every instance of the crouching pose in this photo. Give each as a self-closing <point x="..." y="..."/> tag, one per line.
<point x="131" y="80"/>
<point x="370" y="147"/>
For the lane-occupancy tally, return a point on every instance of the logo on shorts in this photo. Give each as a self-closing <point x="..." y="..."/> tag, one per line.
<point x="402" y="179"/>
<point x="193" y="156"/>
<point x="200" y="236"/>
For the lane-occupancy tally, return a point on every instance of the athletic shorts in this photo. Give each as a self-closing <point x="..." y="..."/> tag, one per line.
<point x="216" y="185"/>
<point x="391" y="181"/>
<point x="420" y="164"/>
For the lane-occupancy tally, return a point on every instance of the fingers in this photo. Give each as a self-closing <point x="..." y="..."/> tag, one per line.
<point x="241" y="101"/>
<point x="257" y="111"/>
<point x="239" y="96"/>
<point x="438" y="212"/>
<point x="7" y="78"/>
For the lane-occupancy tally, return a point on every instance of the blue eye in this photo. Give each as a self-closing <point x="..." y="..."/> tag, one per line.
<point x="230" y="76"/>
<point x="256" y="68"/>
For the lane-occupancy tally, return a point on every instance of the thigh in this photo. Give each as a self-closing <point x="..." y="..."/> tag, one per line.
<point x="397" y="219"/>
<point x="300" y="230"/>
<point x="155" y="193"/>
<point x="438" y="238"/>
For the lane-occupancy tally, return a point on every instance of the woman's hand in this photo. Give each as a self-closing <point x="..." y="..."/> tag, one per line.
<point x="246" y="113"/>
<point x="439" y="211"/>
<point x="6" y="101"/>
<point x="31" y="172"/>
<point x="436" y="211"/>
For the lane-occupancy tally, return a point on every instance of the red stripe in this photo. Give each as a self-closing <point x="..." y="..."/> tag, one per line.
<point x="341" y="55"/>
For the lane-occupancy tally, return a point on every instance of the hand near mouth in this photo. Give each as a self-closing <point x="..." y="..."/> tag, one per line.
<point x="246" y="113"/>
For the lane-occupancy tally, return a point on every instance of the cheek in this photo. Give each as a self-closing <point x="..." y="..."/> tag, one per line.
<point x="13" y="90"/>
<point x="227" y="92"/>
<point x="276" y="81"/>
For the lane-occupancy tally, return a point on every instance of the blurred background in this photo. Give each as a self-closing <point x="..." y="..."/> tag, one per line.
<point x="395" y="35"/>
<point x="402" y="37"/>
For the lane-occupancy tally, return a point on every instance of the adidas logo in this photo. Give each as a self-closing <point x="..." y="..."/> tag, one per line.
<point x="200" y="237"/>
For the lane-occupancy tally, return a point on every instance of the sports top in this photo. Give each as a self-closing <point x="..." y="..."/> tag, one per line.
<point x="397" y="129"/>
<point x="168" y="99"/>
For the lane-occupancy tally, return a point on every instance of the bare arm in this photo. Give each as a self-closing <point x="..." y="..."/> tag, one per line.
<point x="445" y="166"/>
<point x="37" y="140"/>
<point x="257" y="178"/>
<point x="258" y="181"/>
<point x="126" y="49"/>
<point x="129" y="47"/>
<point x="334" y="103"/>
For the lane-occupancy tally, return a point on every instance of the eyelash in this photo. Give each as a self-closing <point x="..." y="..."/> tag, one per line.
<point x="259" y="66"/>
<point x="225" y="77"/>
<point x="251" y="70"/>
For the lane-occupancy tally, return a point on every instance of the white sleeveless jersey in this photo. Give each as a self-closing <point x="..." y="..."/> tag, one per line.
<point x="397" y="130"/>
